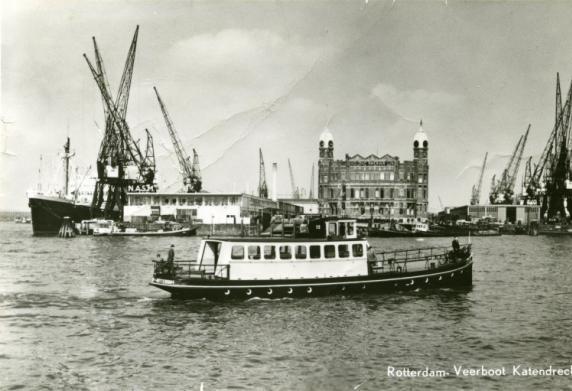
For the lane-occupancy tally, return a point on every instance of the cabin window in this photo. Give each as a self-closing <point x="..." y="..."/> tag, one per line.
<point x="237" y="252"/>
<point x="357" y="249"/>
<point x="343" y="250"/>
<point x="285" y="252"/>
<point x="269" y="252"/>
<point x="330" y="251"/>
<point x="350" y="229"/>
<point x="301" y="252"/>
<point x="253" y="252"/>
<point x="315" y="252"/>
<point x="342" y="229"/>
<point x="332" y="229"/>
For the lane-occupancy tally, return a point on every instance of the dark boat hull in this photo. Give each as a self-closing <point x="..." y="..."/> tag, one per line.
<point x="457" y="275"/>
<point x="49" y="212"/>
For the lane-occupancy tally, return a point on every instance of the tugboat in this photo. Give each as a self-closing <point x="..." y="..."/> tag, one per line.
<point x="332" y="259"/>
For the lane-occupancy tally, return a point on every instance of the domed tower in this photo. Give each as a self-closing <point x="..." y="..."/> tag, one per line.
<point x="420" y="143"/>
<point x="326" y="146"/>
<point x="420" y="156"/>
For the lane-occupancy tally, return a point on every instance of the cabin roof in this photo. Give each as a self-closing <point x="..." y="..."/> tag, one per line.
<point x="279" y="239"/>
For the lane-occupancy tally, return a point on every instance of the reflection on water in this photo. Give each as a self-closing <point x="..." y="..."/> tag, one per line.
<point x="79" y="313"/>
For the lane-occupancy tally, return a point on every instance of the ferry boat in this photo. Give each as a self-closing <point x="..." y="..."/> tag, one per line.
<point x="332" y="259"/>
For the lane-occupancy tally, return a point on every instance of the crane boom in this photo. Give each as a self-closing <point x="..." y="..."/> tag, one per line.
<point x="189" y="177"/>
<point x="476" y="194"/>
<point x="503" y="191"/>
<point x="295" y="193"/>
<point x="262" y="186"/>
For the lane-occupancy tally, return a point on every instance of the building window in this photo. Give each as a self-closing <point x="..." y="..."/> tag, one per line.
<point x="237" y="252"/>
<point x="352" y="193"/>
<point x="269" y="252"/>
<point x="376" y="193"/>
<point x="330" y="251"/>
<point x="315" y="252"/>
<point x="285" y="252"/>
<point x="357" y="250"/>
<point x="301" y="252"/>
<point x="253" y="252"/>
<point x="391" y="176"/>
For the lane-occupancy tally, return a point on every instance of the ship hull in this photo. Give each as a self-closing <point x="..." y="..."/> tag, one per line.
<point x="48" y="214"/>
<point x="453" y="276"/>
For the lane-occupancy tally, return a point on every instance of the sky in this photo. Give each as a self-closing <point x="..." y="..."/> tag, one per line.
<point x="241" y="75"/>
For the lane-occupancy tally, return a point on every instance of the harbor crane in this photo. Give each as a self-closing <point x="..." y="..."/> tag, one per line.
<point x="295" y="190"/>
<point x="502" y="192"/>
<point x="121" y="166"/>
<point x="191" y="175"/>
<point x="548" y="183"/>
<point x="262" y="186"/>
<point x="476" y="191"/>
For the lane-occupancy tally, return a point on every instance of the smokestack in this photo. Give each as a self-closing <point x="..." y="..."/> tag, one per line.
<point x="274" y="174"/>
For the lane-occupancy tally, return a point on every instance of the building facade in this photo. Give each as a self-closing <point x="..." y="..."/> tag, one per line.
<point x="206" y="208"/>
<point x="513" y="214"/>
<point x="378" y="187"/>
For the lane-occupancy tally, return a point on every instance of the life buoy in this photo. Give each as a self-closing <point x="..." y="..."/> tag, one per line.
<point x="363" y="286"/>
<point x="290" y="290"/>
<point x="452" y="275"/>
<point x="427" y="280"/>
<point x="343" y="288"/>
<point x="399" y="269"/>
<point x="269" y="291"/>
<point x="227" y="292"/>
<point x="412" y="282"/>
<point x="440" y="278"/>
<point x="249" y="292"/>
<point x="309" y="290"/>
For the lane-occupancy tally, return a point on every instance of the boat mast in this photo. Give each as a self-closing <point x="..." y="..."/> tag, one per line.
<point x="66" y="157"/>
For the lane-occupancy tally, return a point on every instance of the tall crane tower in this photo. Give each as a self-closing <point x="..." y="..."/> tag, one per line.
<point x="262" y="187"/>
<point x="476" y="191"/>
<point x="197" y="179"/>
<point x="502" y="192"/>
<point x="121" y="165"/>
<point x="311" y="193"/>
<point x="191" y="177"/>
<point x="295" y="191"/>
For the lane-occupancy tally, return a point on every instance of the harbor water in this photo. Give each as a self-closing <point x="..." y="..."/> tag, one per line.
<point x="79" y="314"/>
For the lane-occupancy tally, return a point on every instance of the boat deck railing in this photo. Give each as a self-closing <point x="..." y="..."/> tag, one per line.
<point x="184" y="270"/>
<point x="417" y="259"/>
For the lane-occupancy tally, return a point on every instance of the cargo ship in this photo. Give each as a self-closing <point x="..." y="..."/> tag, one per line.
<point x="49" y="209"/>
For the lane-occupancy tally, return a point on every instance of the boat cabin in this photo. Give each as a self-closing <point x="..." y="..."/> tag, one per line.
<point x="332" y="228"/>
<point x="292" y="258"/>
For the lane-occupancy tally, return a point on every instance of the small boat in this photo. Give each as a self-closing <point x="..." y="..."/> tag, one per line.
<point x="189" y="231"/>
<point x="332" y="259"/>
<point x="110" y="228"/>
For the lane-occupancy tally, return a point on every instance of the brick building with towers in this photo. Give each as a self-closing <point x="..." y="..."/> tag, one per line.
<point x="378" y="187"/>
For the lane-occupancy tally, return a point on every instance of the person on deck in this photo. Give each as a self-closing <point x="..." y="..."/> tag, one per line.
<point x="456" y="246"/>
<point x="171" y="255"/>
<point x="170" y="260"/>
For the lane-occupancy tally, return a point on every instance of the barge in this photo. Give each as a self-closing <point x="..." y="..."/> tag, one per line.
<point x="331" y="260"/>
